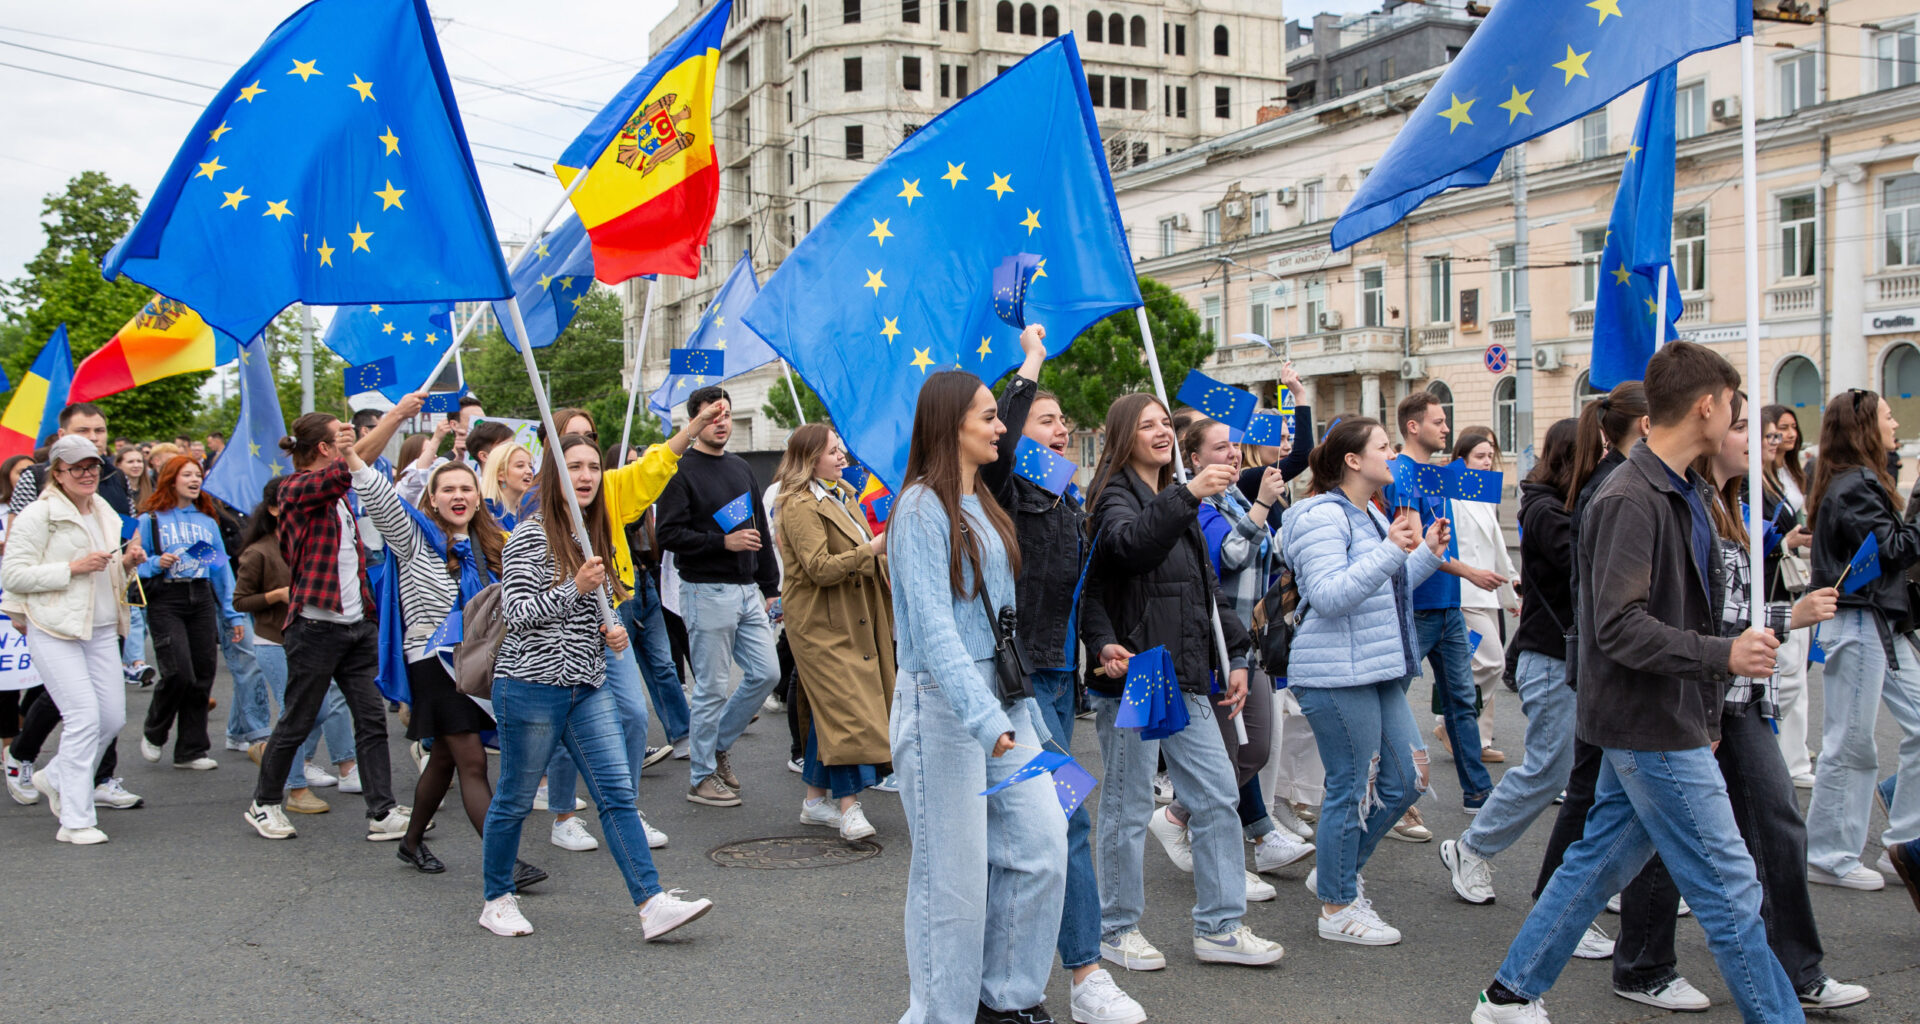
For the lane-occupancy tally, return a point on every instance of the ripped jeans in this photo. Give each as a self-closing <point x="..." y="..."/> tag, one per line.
<point x="1368" y="743"/>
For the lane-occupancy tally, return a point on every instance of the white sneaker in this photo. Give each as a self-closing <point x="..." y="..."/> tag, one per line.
<point x="667" y="911"/>
<point x="1133" y="952"/>
<point x="350" y="780"/>
<point x="854" y="823"/>
<point x="1239" y="946"/>
<point x="1613" y="906"/>
<point x="570" y="834"/>
<point x="502" y="917"/>
<point x="112" y="794"/>
<point x="389" y="826"/>
<point x="823" y="812"/>
<point x="1472" y="875"/>
<point x="773" y="705"/>
<point x="1594" y="945"/>
<point x="318" y="777"/>
<point x="1862" y="878"/>
<point x="796" y="766"/>
<point x="198" y="764"/>
<point x="148" y="751"/>
<point x="269" y="820"/>
<point x="1313" y="884"/>
<point x="20" y="781"/>
<point x="656" y="839"/>
<point x="1885" y="864"/>
<point x="1829" y="994"/>
<point x="1173" y="838"/>
<point x="1357" y="923"/>
<point x="52" y="793"/>
<point x="1278" y="849"/>
<point x="1676" y="994"/>
<point x="1099" y="1000"/>
<point x="419" y="755"/>
<point x="88" y="836"/>
<point x="1162" y="789"/>
<point x="1488" y="1012"/>
<point x="237" y="745"/>
<point x="890" y="784"/>
<point x="1259" y="890"/>
<point x="1804" y="780"/>
<point x="1284" y="817"/>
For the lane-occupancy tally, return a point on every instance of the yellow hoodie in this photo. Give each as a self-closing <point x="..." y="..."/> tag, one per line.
<point x="629" y="490"/>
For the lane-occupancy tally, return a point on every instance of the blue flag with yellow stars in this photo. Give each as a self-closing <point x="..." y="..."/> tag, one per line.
<point x="722" y="328"/>
<point x="1268" y="428"/>
<point x="331" y="169"/>
<point x="1863" y="568"/>
<point x="369" y="377"/>
<point x="1464" y="484"/>
<point x="897" y="281"/>
<point x="1010" y="282"/>
<point x="1072" y="785"/>
<point x="1042" y="763"/>
<point x="1626" y="307"/>
<point x="735" y="512"/>
<point x="551" y="284"/>
<point x="696" y="362"/>
<point x="414" y="335"/>
<point x="1528" y="69"/>
<point x="1042" y="465"/>
<point x="1222" y="403"/>
<point x="253" y="454"/>
<point x="1151" y="701"/>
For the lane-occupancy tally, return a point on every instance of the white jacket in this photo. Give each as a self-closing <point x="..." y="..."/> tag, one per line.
<point x="45" y="537"/>
<point x="1483" y="545"/>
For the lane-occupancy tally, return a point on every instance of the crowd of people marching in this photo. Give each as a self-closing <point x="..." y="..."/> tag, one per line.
<point x="933" y="654"/>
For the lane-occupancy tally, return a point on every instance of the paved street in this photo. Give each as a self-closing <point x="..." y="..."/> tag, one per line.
<point x="187" y="916"/>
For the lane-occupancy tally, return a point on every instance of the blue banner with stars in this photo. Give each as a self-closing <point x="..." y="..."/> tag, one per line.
<point x="331" y="169"/>
<point x="1528" y="69"/>
<point x="414" y="335"/>
<point x="1626" y="305"/>
<point x="551" y="284"/>
<point x="897" y="281"/>
<point x="252" y="456"/>
<point x="722" y="328"/>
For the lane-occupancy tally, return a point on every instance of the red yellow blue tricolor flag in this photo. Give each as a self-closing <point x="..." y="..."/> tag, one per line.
<point x="652" y="175"/>
<point x="35" y="410"/>
<point x="163" y="339"/>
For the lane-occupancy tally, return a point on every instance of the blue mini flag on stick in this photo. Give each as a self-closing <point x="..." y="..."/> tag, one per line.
<point x="204" y="551"/>
<point x="1010" y="281"/>
<point x="1042" y="763"/>
<point x="1464" y="484"/>
<point x="1151" y="701"/>
<point x="1406" y="483"/>
<point x="882" y="507"/>
<point x="1042" y="465"/>
<point x="371" y="377"/>
<point x="696" y="362"/>
<point x="1072" y="784"/>
<point x="1220" y="402"/>
<point x="1267" y="428"/>
<point x="448" y="634"/>
<point x="1863" y="568"/>
<point x="735" y="512"/>
<point x="445" y="403"/>
<point x="129" y="525"/>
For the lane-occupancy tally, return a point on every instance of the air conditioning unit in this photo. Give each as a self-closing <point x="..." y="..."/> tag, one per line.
<point x="1330" y="320"/>
<point x="1286" y="196"/>
<point x="1546" y="359"/>
<point x="1413" y="368"/>
<point x="1726" y="110"/>
<point x="1183" y="223"/>
<point x="1235" y="208"/>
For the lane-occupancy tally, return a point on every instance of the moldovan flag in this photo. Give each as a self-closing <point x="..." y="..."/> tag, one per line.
<point x="163" y="339"/>
<point x="653" y="178"/>
<point x="34" y="412"/>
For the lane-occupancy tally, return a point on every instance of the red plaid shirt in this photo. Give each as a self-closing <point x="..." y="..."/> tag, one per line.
<point x="310" y="540"/>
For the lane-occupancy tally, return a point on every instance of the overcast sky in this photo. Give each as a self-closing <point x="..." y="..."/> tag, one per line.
<point x="527" y="78"/>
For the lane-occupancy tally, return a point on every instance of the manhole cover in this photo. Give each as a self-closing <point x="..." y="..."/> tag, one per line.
<point x="777" y="853"/>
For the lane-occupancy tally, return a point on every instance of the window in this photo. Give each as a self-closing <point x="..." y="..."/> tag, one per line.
<point x="1593" y="135"/>
<point x="1503" y="268"/>
<point x="1452" y="52"/>
<point x="1219" y="40"/>
<point x="1166" y="37"/>
<point x="1222" y="101"/>
<point x="1440" y="390"/>
<point x="1504" y="403"/>
<point x="1797" y="386"/>
<point x="1690" y="250"/>
<point x="1168" y="225"/>
<point x="789" y="37"/>
<point x="1141" y="153"/>
<point x="1900" y="198"/>
<point x="851" y="74"/>
<point x="1311" y="208"/>
<point x="1796" y="235"/>
<point x="1139" y="94"/>
<point x="1593" y="242"/>
<point x="1050" y="21"/>
<point x="1386" y="70"/>
<point x="910" y="11"/>
<point x="1260" y="210"/>
<point x="1179" y="40"/>
<point x="1137" y="32"/>
<point x="1210" y="226"/>
<point x="1894" y="59"/>
<point x="849" y="12"/>
<point x="946" y="82"/>
<point x="789" y="168"/>
<point x="910" y="73"/>
<point x="1373" y="296"/>
<point x="1179" y="101"/>
<point x="1003" y="16"/>
<point x="1096" y="27"/>
<point x="1116" y="29"/>
<point x="803" y="19"/>
<point x="1797" y="82"/>
<point x="960" y="15"/>
<point x="1690" y="111"/>
<point x="1336" y="87"/>
<point x="1029" y="20"/>
<point x="806" y="160"/>
<point x="960" y="81"/>
<point x="1440" y="290"/>
<point x="944" y="21"/>
<point x="740" y="72"/>
<point x="789" y="106"/>
<point x="1360" y="80"/>
<point x="1117" y="92"/>
<point x="1257" y="309"/>
<point x="856" y="142"/>
<point x="1097" y="89"/>
<point x="805" y="88"/>
<point x="1210" y="316"/>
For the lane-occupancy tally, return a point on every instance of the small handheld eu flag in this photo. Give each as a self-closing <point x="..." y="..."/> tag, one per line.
<point x="1010" y="282"/>
<point x="444" y="403"/>
<point x="204" y="552"/>
<point x="1072" y="784"/>
<point x="1220" y="402"/>
<point x="371" y="377"/>
<point x="1267" y="428"/>
<point x="696" y="362"/>
<point x="1464" y="484"/>
<point x="1863" y="568"/>
<point x="1042" y="465"/>
<point x="735" y="512"/>
<point x="1042" y="763"/>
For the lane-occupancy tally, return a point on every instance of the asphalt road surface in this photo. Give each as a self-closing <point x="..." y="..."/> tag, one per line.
<point x="188" y="916"/>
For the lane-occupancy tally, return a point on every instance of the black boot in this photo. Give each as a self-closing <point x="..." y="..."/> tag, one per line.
<point x="421" y="858"/>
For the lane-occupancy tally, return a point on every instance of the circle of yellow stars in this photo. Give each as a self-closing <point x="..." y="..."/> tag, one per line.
<point x="1459" y="111"/>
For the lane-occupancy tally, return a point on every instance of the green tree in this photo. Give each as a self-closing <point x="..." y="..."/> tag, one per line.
<point x="581" y="369"/>
<point x="779" y="404"/>
<point x="1109" y="360"/>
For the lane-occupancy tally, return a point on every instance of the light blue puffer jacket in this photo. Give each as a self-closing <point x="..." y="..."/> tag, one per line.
<point x="1357" y="588"/>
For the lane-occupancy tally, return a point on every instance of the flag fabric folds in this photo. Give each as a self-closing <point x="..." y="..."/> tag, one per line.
<point x="414" y="335"/>
<point x="1267" y="428"/>
<point x="551" y="284"/>
<point x="34" y="412"/>
<point x="370" y="377"/>
<point x="1042" y="466"/>
<point x="1639" y="242"/>
<point x="332" y="168"/>
<point x="1863" y="568"/>
<point x="1528" y="69"/>
<point x="1151" y="701"/>
<point x="1010" y="282"/>
<point x="1072" y="785"/>
<point x="1464" y="484"/>
<point x="1220" y="402"/>
<point x="652" y="175"/>
<point x="164" y="339"/>
<point x="722" y="328"/>
<point x="897" y="280"/>
<point x="253" y="454"/>
<point x="1042" y="763"/>
<point x="734" y="513"/>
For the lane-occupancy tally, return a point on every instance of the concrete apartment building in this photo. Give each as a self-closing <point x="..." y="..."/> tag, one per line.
<point x="1239" y="226"/>
<point x="813" y="94"/>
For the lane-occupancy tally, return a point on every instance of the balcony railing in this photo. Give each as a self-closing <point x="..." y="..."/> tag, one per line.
<point x="1795" y="299"/>
<point x="1583" y="321"/>
<point x="1503" y="331"/>
<point x="1898" y="286"/>
<point x="1436" y="336"/>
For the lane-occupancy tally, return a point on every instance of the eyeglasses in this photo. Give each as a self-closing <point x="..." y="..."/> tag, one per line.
<point x="1774" y="438"/>
<point x="89" y="468"/>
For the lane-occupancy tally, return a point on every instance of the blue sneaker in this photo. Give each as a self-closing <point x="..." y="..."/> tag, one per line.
<point x="890" y="784"/>
<point x="1885" y="789"/>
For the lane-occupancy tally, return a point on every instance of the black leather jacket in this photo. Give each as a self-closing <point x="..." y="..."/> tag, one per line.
<point x="1853" y="506"/>
<point x="1053" y="543"/>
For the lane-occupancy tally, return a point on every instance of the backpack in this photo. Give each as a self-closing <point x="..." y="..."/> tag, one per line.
<point x="483" y="627"/>
<point x="1275" y="619"/>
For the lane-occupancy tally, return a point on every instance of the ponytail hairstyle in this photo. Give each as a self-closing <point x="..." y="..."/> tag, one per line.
<point x="1608" y="423"/>
<point x="307" y="434"/>
<point x="555" y="483"/>
<point x="1328" y="460"/>
<point x="1849" y="440"/>
<point x="933" y="462"/>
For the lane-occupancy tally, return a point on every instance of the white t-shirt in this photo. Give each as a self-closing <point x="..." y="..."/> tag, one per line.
<point x="106" y="604"/>
<point x="351" y="609"/>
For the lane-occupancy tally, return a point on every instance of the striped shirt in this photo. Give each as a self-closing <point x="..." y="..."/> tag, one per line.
<point x="553" y="630"/>
<point x="1744" y="692"/>
<point x="427" y="591"/>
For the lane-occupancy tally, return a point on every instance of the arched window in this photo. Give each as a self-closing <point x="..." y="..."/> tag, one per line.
<point x="1096" y="27"/>
<point x="1505" y="400"/>
<point x="1049" y="21"/>
<point x="1003" y="16"/>
<point x="1797" y="386"/>
<point x="1900" y="386"/>
<point x="1116" y="29"/>
<point x="1029" y="20"/>
<point x="1584" y="393"/>
<point x="1440" y="390"/>
<point x="1136" y="32"/>
<point x="1219" y="40"/>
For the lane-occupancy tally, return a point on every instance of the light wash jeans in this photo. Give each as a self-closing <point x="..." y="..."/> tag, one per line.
<point x="1202" y="775"/>
<point x="1792" y="722"/>
<point x="534" y="719"/>
<point x="726" y="624"/>
<point x="1858" y="679"/>
<point x="1079" y="942"/>
<point x="335" y="724"/>
<point x="630" y="699"/>
<point x="1359" y="729"/>
<point x="647" y="625"/>
<point x="1443" y="646"/>
<point x="251" y="716"/>
<point x="1526" y="791"/>
<point x="1674" y="803"/>
<point x="988" y="874"/>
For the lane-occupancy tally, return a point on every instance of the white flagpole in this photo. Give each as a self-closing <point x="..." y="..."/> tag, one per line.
<point x="786" y="374"/>
<point x="1750" y="216"/>
<point x="1660" y="316"/>
<point x="633" y="392"/>
<point x="1180" y="476"/>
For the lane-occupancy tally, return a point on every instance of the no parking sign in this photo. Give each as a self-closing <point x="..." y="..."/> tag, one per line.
<point x="1495" y="358"/>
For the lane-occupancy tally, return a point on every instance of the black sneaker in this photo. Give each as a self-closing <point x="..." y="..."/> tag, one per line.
<point x="1030" y="1015"/>
<point x="421" y="858"/>
<point x="525" y="874"/>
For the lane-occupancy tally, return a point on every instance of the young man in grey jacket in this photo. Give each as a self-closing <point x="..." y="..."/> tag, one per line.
<point x="1653" y="675"/>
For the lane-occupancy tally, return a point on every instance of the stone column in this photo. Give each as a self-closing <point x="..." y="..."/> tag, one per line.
<point x="1846" y="278"/>
<point x="1370" y="395"/>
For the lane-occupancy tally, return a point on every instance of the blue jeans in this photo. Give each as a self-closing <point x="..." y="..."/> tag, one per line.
<point x="1203" y="776"/>
<point x="1443" y="646"/>
<point x="726" y="624"/>
<point x="534" y="719"/>
<point x="251" y="717"/>
<point x="623" y="681"/>
<point x="1079" y="942"/>
<point x="134" y="648"/>
<point x="1858" y="679"/>
<point x="1526" y="791"/>
<point x="647" y="625"/>
<point x="988" y="873"/>
<point x="1359" y="729"/>
<point x="335" y="724"/>
<point x="1673" y="802"/>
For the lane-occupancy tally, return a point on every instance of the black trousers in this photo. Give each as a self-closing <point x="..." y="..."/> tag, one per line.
<point x="39" y="717"/>
<point x="183" y="617"/>
<point x="343" y="653"/>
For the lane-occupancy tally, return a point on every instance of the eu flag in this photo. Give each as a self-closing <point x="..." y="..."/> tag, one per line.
<point x="1864" y="567"/>
<point x="253" y="454"/>
<point x="1042" y="763"/>
<point x="722" y="328"/>
<point x="1529" y="68"/>
<point x="414" y="335"/>
<point x="330" y="169"/>
<point x="1220" y="402"/>
<point x="1072" y="785"/>
<point x="1464" y="484"/>
<point x="551" y="284"/>
<point x="1268" y="428"/>
<point x="698" y="363"/>
<point x="1042" y="465"/>
<point x="897" y="280"/>
<point x="1010" y="282"/>
<point x="1151" y="701"/>
<point x="370" y="377"/>
<point x="735" y="512"/>
<point x="1639" y="242"/>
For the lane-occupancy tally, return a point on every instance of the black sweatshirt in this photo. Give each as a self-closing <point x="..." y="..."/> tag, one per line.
<point x="704" y="485"/>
